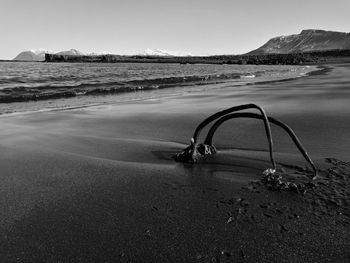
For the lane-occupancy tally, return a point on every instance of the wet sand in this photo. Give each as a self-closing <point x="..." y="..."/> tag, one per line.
<point x="98" y="184"/>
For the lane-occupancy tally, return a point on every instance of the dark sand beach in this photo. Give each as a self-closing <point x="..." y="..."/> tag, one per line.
<point x="98" y="184"/>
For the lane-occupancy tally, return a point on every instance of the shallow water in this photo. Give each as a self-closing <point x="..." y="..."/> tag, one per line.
<point x="67" y="84"/>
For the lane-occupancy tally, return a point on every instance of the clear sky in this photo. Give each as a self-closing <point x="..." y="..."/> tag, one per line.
<point x="131" y="26"/>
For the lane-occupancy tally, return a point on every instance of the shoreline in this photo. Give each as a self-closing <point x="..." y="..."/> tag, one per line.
<point x="319" y="69"/>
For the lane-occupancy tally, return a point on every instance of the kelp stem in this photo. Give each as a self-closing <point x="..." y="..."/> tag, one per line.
<point x="290" y="132"/>
<point x="239" y="108"/>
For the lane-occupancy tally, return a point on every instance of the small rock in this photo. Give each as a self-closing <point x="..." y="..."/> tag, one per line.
<point x="242" y="253"/>
<point x="229" y="220"/>
<point x="148" y="233"/>
<point x="283" y="229"/>
<point x="244" y="203"/>
<point x="267" y="215"/>
<point x="225" y="253"/>
<point x="239" y="200"/>
<point x="278" y="211"/>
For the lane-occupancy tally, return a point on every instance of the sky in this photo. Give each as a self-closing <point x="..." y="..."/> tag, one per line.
<point x="200" y="27"/>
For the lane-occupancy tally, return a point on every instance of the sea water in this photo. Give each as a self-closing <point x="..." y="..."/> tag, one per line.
<point x="28" y="86"/>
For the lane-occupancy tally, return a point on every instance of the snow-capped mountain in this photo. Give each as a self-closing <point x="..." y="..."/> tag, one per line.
<point x="307" y="40"/>
<point x="32" y="55"/>
<point x="39" y="54"/>
<point x="71" y="52"/>
<point x="164" y="53"/>
<point x="98" y="53"/>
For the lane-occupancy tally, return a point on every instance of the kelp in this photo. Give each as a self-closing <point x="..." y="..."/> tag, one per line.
<point x="197" y="151"/>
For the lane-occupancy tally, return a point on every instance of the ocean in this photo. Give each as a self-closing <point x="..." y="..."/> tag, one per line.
<point x="31" y="86"/>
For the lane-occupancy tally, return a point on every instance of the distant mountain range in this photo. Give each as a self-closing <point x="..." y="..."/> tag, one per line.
<point x="32" y="55"/>
<point x="307" y="41"/>
<point x="39" y="55"/>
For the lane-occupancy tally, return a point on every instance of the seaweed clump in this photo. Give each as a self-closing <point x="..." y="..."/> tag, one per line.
<point x="198" y="151"/>
<point x="194" y="152"/>
<point x="274" y="181"/>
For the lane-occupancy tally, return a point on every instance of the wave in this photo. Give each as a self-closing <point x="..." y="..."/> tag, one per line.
<point x="247" y="76"/>
<point x="34" y="82"/>
<point x="65" y="90"/>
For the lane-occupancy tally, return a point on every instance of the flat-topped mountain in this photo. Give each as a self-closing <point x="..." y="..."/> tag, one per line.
<point x="307" y="41"/>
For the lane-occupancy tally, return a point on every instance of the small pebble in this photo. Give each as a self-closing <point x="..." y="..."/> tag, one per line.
<point x="229" y="220"/>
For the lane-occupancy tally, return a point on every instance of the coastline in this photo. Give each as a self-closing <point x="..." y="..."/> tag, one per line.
<point x="98" y="183"/>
